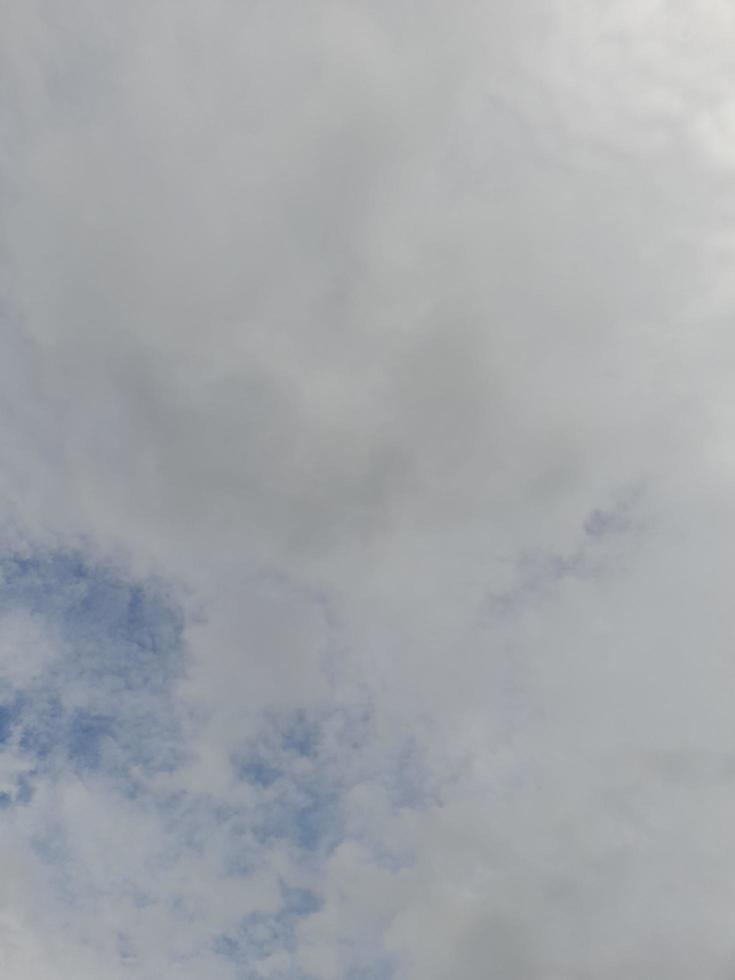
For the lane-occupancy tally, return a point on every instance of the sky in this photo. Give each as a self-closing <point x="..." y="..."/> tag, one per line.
<point x="366" y="490"/>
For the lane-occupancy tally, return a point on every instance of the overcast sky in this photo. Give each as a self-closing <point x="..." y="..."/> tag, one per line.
<point x="366" y="490"/>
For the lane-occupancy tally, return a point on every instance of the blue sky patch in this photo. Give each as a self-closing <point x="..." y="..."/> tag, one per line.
<point x="104" y="703"/>
<point x="260" y="935"/>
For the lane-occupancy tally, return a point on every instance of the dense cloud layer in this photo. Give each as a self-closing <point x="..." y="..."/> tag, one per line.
<point x="365" y="405"/>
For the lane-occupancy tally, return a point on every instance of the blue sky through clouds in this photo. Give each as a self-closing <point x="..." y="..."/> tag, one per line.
<point x="100" y="718"/>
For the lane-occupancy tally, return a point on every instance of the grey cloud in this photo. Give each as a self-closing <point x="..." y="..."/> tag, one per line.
<point x="323" y="322"/>
<point x="331" y="314"/>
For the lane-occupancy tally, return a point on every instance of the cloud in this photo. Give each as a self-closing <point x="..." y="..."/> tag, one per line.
<point x="365" y="496"/>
